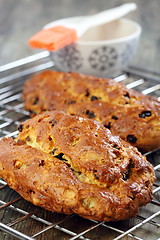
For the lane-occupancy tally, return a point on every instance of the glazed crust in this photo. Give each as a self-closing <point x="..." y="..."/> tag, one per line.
<point x="75" y="165"/>
<point x="127" y="113"/>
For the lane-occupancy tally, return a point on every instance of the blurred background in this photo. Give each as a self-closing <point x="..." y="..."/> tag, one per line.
<point x="20" y="19"/>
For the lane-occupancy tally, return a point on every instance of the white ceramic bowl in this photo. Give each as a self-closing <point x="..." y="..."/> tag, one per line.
<point x="102" y="50"/>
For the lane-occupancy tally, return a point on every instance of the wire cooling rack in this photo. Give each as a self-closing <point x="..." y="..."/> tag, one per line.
<point x="20" y="219"/>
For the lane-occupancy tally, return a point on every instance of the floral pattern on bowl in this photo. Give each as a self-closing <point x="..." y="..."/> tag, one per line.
<point x="69" y="57"/>
<point x="103" y="57"/>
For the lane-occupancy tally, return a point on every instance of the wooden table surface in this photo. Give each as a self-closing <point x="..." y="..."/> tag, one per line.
<point x="20" y="19"/>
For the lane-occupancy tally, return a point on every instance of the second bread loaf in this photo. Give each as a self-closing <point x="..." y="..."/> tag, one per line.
<point x="127" y="113"/>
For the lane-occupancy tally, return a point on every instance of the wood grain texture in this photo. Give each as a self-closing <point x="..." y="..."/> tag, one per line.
<point x="19" y="19"/>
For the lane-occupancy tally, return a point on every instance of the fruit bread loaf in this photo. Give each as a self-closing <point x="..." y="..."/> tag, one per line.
<point x="127" y="113"/>
<point x="71" y="164"/>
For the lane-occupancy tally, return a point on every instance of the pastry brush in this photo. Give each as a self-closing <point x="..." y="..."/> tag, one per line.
<point x="56" y="37"/>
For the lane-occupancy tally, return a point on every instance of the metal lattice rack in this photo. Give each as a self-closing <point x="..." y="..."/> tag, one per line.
<point x="20" y="219"/>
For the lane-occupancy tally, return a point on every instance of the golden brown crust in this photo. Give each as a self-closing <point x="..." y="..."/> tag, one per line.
<point x="76" y="165"/>
<point x="127" y="113"/>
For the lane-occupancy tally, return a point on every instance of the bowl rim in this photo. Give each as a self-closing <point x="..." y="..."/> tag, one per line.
<point x="136" y="33"/>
